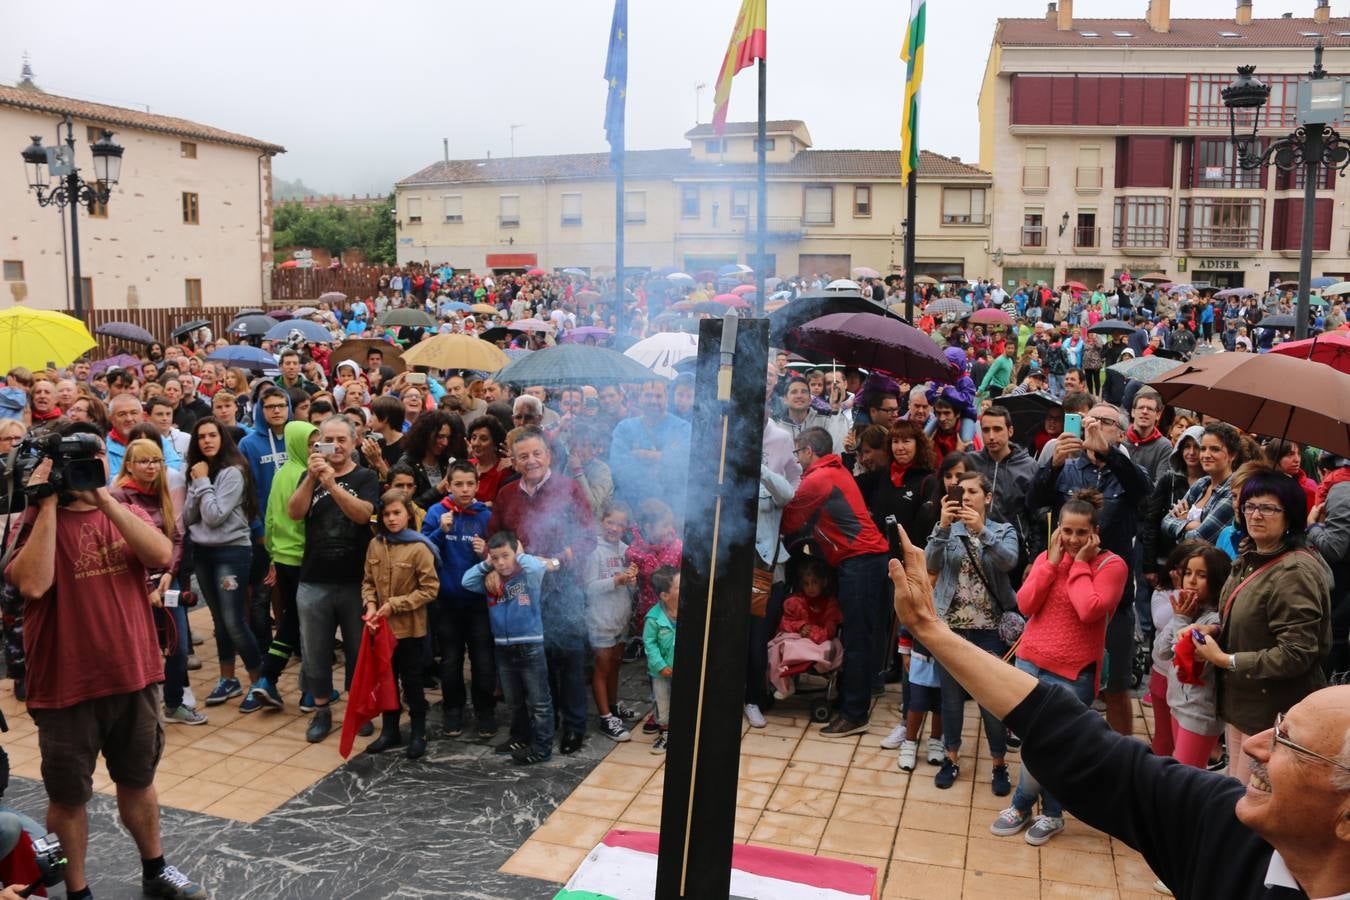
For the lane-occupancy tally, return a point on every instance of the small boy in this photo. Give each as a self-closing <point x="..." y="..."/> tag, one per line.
<point x="658" y="639"/>
<point x="611" y="584"/>
<point x="512" y="581"/>
<point x="460" y="616"/>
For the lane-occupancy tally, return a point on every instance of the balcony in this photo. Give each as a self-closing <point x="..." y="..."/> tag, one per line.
<point x="1087" y="236"/>
<point x="508" y="221"/>
<point x="1088" y="179"/>
<point x="1033" y="235"/>
<point x="1140" y="237"/>
<point x="1035" y="179"/>
<point x="1220" y="237"/>
<point x="780" y="229"/>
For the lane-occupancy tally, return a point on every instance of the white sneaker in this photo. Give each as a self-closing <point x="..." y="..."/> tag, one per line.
<point x="754" y="716"/>
<point x="909" y="754"/>
<point x="937" y="753"/>
<point x="895" y="738"/>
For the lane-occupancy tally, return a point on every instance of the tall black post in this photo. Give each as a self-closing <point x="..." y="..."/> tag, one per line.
<point x="73" y="187"/>
<point x="761" y="196"/>
<point x="911" y="203"/>
<point x="619" y="313"/>
<point x="1312" y="168"/>
<point x="698" y="812"/>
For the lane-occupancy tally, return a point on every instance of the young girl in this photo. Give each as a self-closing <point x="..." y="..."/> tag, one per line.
<point x="806" y="635"/>
<point x="400" y="580"/>
<point x="1191" y="697"/>
<point x="611" y="583"/>
<point x="658" y="636"/>
<point x="655" y="544"/>
<point x="1163" y="602"/>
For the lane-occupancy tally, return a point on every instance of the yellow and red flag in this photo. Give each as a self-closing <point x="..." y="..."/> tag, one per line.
<point x="749" y="42"/>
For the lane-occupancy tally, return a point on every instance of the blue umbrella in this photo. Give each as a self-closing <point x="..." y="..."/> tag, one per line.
<point x="309" y="331"/>
<point x="574" y="271"/>
<point x="252" y="325"/>
<point x="735" y="269"/>
<point x="456" y="306"/>
<point x="1322" y="281"/>
<point x="680" y="278"/>
<point x="245" y="357"/>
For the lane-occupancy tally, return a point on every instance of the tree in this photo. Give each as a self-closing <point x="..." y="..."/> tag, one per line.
<point x="337" y="228"/>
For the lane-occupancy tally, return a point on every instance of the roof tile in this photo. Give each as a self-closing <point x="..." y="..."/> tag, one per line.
<point x="1184" y="33"/>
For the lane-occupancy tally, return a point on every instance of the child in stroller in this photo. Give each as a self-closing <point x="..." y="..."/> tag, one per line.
<point x="806" y="638"/>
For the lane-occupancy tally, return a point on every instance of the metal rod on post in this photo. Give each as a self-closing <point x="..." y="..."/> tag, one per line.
<point x="73" y="186"/>
<point x="761" y="195"/>
<point x="911" y="202"/>
<point x="1311" y="169"/>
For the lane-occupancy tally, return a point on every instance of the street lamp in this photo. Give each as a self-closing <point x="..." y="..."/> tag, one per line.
<point x="61" y="185"/>
<point x="1312" y="146"/>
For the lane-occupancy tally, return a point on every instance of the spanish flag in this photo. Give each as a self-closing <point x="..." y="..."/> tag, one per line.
<point x="912" y="54"/>
<point x="749" y="42"/>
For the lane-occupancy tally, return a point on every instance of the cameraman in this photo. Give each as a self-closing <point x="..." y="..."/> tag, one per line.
<point x="94" y="666"/>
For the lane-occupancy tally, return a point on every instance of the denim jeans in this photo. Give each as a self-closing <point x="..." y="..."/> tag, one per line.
<point x="222" y="575"/>
<point x="175" y="664"/>
<point x="323" y="609"/>
<point x="461" y="629"/>
<point x="260" y="597"/>
<point x="954" y="698"/>
<point x="1028" y="788"/>
<point x="524" y="677"/>
<point x="862" y="600"/>
<point x="563" y="610"/>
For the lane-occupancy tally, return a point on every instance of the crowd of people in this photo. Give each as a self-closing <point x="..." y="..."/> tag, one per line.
<point x="522" y="543"/>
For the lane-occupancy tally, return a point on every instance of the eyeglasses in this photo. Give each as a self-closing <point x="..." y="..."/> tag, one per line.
<point x="273" y="407"/>
<point x="888" y="409"/>
<point x="800" y="450"/>
<point x="147" y="462"/>
<point x="1277" y="736"/>
<point x="1261" y="510"/>
<point x="1107" y="420"/>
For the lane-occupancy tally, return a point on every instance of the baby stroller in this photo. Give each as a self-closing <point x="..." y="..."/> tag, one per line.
<point x="805" y="646"/>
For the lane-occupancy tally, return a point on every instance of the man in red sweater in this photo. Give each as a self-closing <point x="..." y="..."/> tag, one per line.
<point x="828" y="501"/>
<point x="551" y="515"/>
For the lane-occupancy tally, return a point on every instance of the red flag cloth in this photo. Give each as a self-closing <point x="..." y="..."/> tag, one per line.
<point x="1190" y="669"/>
<point x="20" y="866"/>
<point x="373" y="688"/>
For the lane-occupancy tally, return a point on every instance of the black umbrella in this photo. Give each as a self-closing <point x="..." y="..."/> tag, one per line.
<point x="125" y="331"/>
<point x="1112" y="326"/>
<point x="575" y="364"/>
<point x="817" y="304"/>
<point x="499" y="333"/>
<point x="190" y="326"/>
<point x="250" y="326"/>
<point x="1028" y="413"/>
<point x="1280" y="321"/>
<point x="858" y="339"/>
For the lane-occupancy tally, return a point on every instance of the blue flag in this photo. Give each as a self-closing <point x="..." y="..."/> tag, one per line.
<point x="616" y="77"/>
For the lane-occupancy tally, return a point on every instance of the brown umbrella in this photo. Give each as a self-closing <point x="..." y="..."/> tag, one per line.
<point x="1266" y="394"/>
<point x="1153" y="276"/>
<point x="456" y="351"/>
<point x="925" y="279"/>
<point x="356" y="351"/>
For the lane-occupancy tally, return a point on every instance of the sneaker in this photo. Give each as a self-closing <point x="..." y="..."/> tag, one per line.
<point x="267" y="694"/>
<point x="320" y="725"/>
<point x="937" y="753"/>
<point x="172" y="883"/>
<point x="1044" y="829"/>
<point x="624" y="711"/>
<point x="189" y="699"/>
<point x="1002" y="784"/>
<point x="1010" y="821"/>
<point x="528" y="756"/>
<point x="659" y="745"/>
<point x="842" y="727"/>
<point x="893" y="740"/>
<point x="1146" y="700"/>
<point x="252" y="702"/>
<point x="452" y="723"/>
<point x="225" y="689"/>
<point x="1161" y="888"/>
<point x="1014" y="742"/>
<point x="184" y="715"/>
<point x="193" y="662"/>
<point x="612" y="728"/>
<point x="650" y="726"/>
<point x="510" y="746"/>
<point x="570" y="742"/>
<point x="909" y="755"/>
<point x="487" y="725"/>
<point x="197" y="639"/>
<point x="947" y="775"/>
<point x="754" y="716"/>
<point x="307" y="700"/>
<point x="633" y="651"/>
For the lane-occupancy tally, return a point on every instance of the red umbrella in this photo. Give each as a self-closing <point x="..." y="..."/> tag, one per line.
<point x="535" y="271"/>
<point x="871" y="342"/>
<point x="1329" y="349"/>
<point x="730" y="300"/>
<point x="1075" y="286"/>
<point x="741" y="289"/>
<point x="991" y="315"/>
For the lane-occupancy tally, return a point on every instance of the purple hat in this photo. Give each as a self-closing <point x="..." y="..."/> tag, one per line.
<point x="956" y="356"/>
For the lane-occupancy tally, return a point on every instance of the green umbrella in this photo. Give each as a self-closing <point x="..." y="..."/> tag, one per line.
<point x="406" y="316"/>
<point x="575" y="364"/>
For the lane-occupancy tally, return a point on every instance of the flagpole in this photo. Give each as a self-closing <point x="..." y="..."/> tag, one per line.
<point x="618" y="238"/>
<point x="911" y="202"/>
<point x="761" y="195"/>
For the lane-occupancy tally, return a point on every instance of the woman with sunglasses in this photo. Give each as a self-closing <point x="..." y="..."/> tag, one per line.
<point x="1275" y="615"/>
<point x="143" y="482"/>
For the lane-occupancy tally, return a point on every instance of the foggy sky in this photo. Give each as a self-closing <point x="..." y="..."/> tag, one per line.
<point x="361" y="94"/>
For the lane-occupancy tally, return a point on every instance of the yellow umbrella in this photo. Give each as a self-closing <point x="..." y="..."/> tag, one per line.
<point x="484" y="309"/>
<point x="456" y="351"/>
<point x="34" y="337"/>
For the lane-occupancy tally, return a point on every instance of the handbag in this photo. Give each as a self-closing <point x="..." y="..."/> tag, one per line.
<point x="761" y="583"/>
<point x="1011" y="623"/>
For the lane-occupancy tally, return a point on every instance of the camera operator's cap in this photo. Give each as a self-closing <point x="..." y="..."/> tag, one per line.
<point x="13" y="401"/>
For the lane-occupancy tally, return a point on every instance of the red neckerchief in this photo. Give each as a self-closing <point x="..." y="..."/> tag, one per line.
<point x="898" y="473"/>
<point x="1335" y="477"/>
<point x="136" y="486"/>
<point x="1136" y="440"/>
<point x="53" y="413"/>
<point x="115" y="435"/>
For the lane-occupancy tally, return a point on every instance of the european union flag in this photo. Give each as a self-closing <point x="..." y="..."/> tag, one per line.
<point x="616" y="76"/>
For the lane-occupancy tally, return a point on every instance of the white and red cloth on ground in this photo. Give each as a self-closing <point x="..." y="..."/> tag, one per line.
<point x="623" y="867"/>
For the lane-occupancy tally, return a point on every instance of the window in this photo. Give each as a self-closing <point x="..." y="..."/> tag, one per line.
<point x="414" y="210"/>
<point x="87" y="292"/>
<point x="93" y="133"/>
<point x="740" y="203"/>
<point x="963" y="206"/>
<point x="715" y="146"/>
<point x="1204" y="102"/>
<point x="1085" y="232"/>
<point x="508" y="210"/>
<point x="689" y="202"/>
<point x="191" y="210"/>
<point x="1141" y="222"/>
<point x="862" y="201"/>
<point x="1033" y="228"/>
<point x="768" y="145"/>
<point x="818" y="205"/>
<point x="187" y="149"/>
<point x="98" y="209"/>
<point x="1221" y="223"/>
<point x="192" y="292"/>
<point x="452" y="206"/>
<point x="1088" y="177"/>
<point x="1036" y="172"/>
<point x="13" y="270"/>
<point x="1215" y="165"/>
<point x="571" y="209"/>
<point x="635" y="207"/>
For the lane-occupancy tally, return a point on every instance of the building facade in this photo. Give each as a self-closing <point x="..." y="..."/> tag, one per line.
<point x="829" y="211"/>
<point x="188" y="226"/>
<point x="1110" y="148"/>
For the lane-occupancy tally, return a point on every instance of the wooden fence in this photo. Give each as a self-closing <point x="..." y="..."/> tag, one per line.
<point x="159" y="322"/>
<point x="292" y="285"/>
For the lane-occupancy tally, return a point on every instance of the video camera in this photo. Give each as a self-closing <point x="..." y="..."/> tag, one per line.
<point x="75" y="467"/>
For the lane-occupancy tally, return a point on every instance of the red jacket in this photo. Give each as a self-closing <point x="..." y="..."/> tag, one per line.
<point x="557" y="518"/>
<point x="821" y="614"/>
<point x="842" y="525"/>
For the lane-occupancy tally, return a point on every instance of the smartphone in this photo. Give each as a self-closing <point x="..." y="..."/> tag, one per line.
<point x="956" y="493"/>
<point x="325" y="449"/>
<point x="1073" y="424"/>
<point x="893" y="535"/>
<point x="416" y="378"/>
<point x="171" y="599"/>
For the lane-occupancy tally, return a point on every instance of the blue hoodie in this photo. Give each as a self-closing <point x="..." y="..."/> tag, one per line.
<point x="515" y="614"/>
<point x="265" y="453"/>
<point x="455" y="550"/>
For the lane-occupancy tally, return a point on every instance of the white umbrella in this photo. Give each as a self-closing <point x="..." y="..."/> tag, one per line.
<point x="1340" y="287"/>
<point x="661" y="352"/>
<point x="865" y="272"/>
<point x="843" y="284"/>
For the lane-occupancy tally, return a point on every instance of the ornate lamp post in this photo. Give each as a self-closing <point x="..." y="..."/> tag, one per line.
<point x="62" y="186"/>
<point x="1312" y="146"/>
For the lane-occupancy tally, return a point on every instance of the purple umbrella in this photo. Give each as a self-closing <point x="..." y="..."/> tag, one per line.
<point x="871" y="342"/>
<point x="125" y="331"/>
<point x="579" y="335"/>
<point x="281" y="314"/>
<point x="1239" y="292"/>
<point x="120" y="361"/>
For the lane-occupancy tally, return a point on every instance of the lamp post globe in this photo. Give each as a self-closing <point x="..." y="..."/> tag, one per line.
<point x="107" y="160"/>
<point x="34" y="161"/>
<point x="1247" y="92"/>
